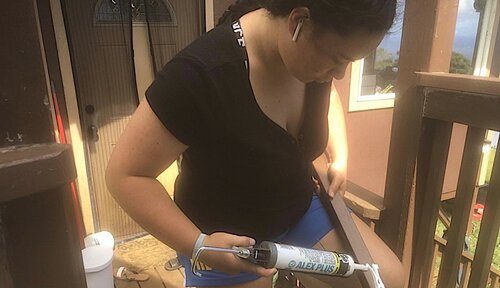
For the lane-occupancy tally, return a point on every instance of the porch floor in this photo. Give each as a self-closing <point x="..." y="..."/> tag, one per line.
<point x="147" y="255"/>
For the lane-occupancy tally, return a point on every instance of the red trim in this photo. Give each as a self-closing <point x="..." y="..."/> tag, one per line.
<point x="63" y="140"/>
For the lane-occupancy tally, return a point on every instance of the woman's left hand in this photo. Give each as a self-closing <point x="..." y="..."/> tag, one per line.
<point x="338" y="180"/>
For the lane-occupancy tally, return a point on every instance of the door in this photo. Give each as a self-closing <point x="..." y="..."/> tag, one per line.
<point x="111" y="82"/>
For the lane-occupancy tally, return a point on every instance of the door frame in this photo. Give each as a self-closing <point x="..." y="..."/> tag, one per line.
<point x="75" y="127"/>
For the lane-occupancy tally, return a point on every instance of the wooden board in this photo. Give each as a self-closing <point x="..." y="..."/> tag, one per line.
<point x="460" y="82"/>
<point x="460" y="220"/>
<point x="431" y="168"/>
<point x="32" y="169"/>
<point x="361" y="206"/>
<point x="477" y="110"/>
<point x="428" y="31"/>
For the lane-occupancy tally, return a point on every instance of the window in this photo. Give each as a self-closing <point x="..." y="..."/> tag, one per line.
<point x="159" y="12"/>
<point x="373" y="79"/>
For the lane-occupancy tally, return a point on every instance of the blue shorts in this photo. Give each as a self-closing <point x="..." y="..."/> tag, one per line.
<point x="311" y="228"/>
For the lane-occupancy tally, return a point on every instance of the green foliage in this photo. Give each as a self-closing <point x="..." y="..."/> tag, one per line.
<point x="476" y="225"/>
<point x="479" y="5"/>
<point x="384" y="59"/>
<point x="460" y="64"/>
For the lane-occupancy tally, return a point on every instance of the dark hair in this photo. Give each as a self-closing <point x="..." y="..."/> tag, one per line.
<point x="344" y="16"/>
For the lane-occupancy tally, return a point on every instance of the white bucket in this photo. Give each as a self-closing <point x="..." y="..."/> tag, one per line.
<point x="97" y="261"/>
<point x="103" y="238"/>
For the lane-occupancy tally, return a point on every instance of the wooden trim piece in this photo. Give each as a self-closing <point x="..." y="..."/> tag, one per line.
<point x="464" y="279"/>
<point x="209" y="15"/>
<point x="486" y="38"/>
<point x="495" y="62"/>
<point x="363" y="201"/>
<point x="28" y="170"/>
<point x="43" y="55"/>
<point x="361" y="206"/>
<point x="365" y="194"/>
<point x="433" y="264"/>
<point x="479" y="110"/>
<point x="76" y="131"/>
<point x="432" y="159"/>
<point x="442" y="216"/>
<point x="355" y="92"/>
<point x="339" y="215"/>
<point x="460" y="220"/>
<point x="428" y="32"/>
<point x="488" y="233"/>
<point x="459" y="82"/>
<point x="448" y="195"/>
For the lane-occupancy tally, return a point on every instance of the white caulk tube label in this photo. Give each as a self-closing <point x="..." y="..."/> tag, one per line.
<point x="313" y="261"/>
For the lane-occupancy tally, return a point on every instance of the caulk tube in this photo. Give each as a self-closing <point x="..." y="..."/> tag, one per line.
<point x="299" y="259"/>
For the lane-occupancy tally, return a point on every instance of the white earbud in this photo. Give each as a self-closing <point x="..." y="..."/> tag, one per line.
<point x="297" y="30"/>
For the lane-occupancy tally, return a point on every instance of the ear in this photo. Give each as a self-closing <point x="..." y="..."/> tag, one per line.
<point x="298" y="14"/>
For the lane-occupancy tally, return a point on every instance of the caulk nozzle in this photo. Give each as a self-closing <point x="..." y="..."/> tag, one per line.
<point x="359" y="267"/>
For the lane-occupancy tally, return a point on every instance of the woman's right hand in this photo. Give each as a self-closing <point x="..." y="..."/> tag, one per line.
<point x="229" y="263"/>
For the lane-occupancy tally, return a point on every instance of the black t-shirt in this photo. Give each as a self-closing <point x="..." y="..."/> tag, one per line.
<point x="242" y="173"/>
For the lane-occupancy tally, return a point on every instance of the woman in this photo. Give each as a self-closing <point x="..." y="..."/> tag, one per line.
<point x="246" y="107"/>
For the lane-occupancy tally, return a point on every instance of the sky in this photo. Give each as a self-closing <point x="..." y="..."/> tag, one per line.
<point x="465" y="34"/>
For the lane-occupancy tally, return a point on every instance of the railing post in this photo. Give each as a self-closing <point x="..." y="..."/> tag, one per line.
<point x="431" y="166"/>
<point x="463" y="201"/>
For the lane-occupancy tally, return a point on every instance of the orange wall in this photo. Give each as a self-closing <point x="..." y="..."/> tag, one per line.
<point x="368" y="136"/>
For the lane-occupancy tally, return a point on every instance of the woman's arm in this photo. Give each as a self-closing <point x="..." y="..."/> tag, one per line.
<point x="336" y="150"/>
<point x="145" y="149"/>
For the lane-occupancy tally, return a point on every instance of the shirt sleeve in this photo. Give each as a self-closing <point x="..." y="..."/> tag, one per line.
<point x="175" y="97"/>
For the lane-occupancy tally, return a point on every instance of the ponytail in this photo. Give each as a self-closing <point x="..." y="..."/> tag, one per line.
<point x="238" y="9"/>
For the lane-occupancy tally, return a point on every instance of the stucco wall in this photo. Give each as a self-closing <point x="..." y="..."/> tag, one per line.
<point x="368" y="136"/>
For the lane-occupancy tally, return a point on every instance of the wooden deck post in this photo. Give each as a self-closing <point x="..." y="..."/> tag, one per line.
<point x="428" y="32"/>
<point x="432" y="158"/>
<point x="460" y="220"/>
<point x="37" y="223"/>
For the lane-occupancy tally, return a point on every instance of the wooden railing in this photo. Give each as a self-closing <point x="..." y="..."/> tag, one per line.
<point x="465" y="264"/>
<point x="475" y="102"/>
<point x="465" y="261"/>
<point x="39" y="241"/>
